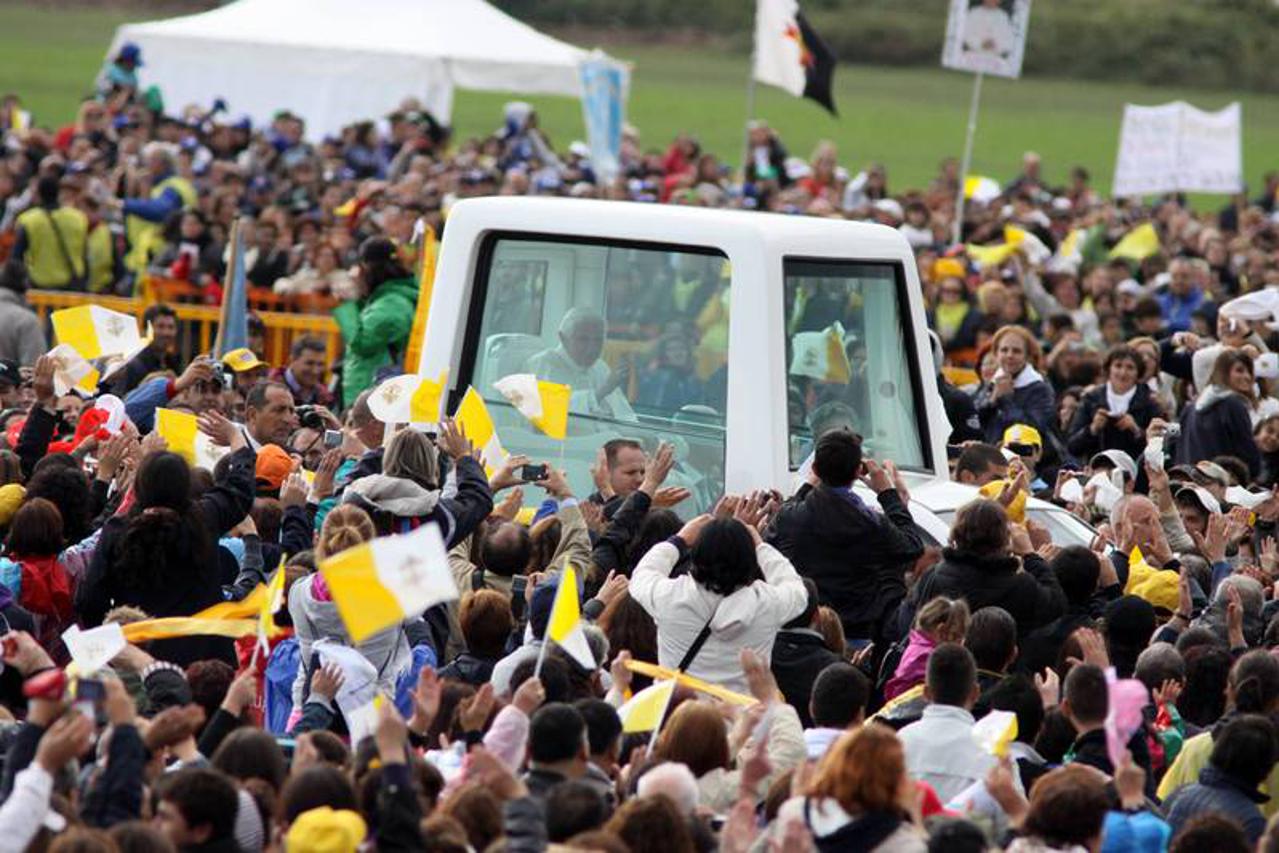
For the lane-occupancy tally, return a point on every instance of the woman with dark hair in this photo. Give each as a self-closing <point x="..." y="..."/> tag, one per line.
<point x="1219" y="422"/>
<point x="31" y="572"/>
<point x="375" y="328"/>
<point x="738" y="595"/>
<point x="162" y="555"/>
<point x="1114" y="415"/>
<point x="989" y="564"/>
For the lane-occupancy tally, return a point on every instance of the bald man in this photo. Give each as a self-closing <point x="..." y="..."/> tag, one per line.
<point x="576" y="362"/>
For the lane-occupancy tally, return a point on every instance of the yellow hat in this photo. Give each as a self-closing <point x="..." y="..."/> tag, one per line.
<point x="323" y="830"/>
<point x="948" y="268"/>
<point x="242" y="359"/>
<point x="10" y="499"/>
<point x="1022" y="434"/>
<point x="1158" y="586"/>
<point x="1017" y="509"/>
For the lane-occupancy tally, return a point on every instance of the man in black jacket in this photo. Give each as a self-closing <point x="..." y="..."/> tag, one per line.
<point x="800" y="655"/>
<point x="855" y="555"/>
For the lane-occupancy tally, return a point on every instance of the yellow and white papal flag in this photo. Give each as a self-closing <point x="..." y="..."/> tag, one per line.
<point x="565" y="625"/>
<point x="545" y="404"/>
<point x="382" y="582"/>
<point x="643" y="712"/>
<point x="94" y="331"/>
<point x="72" y="370"/>
<point x="821" y="355"/>
<point x="181" y="432"/>
<point x="473" y="418"/>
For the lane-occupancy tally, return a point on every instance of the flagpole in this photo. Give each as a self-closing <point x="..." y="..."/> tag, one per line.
<point x="957" y="232"/>
<point x="652" y="741"/>
<point x="750" y="112"/>
<point x="541" y="656"/>
<point x="226" y="280"/>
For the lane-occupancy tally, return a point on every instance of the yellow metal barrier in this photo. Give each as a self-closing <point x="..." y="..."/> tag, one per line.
<point x="198" y="323"/>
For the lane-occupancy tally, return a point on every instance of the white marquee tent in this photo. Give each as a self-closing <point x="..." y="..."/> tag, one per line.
<point x="338" y="61"/>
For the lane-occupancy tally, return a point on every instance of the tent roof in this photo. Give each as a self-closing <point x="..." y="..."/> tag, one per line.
<point x="457" y="30"/>
<point x="250" y="51"/>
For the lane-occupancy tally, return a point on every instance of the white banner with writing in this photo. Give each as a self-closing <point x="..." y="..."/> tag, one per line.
<point x="1177" y="147"/>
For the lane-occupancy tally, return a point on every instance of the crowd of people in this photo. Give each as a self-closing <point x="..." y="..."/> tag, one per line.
<point x="864" y="662"/>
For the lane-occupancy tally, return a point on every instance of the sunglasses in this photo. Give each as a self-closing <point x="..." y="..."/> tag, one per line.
<point x="1023" y="449"/>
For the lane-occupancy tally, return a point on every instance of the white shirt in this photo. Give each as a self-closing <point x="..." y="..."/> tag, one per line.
<point x="1117" y="404"/>
<point x="24" y="812"/>
<point x="747" y="619"/>
<point x="940" y="750"/>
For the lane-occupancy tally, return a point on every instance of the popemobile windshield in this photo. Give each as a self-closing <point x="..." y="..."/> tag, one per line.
<point x="734" y="335"/>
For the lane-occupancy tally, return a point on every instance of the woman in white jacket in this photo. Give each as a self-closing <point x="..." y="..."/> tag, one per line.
<point x="738" y="594"/>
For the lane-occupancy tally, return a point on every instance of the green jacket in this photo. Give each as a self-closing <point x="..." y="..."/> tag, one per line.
<point x="375" y="330"/>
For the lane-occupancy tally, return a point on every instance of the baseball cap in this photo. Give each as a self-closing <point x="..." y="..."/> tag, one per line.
<point x="130" y="52"/>
<point x="11" y="496"/>
<point x="1206" y="472"/>
<point x="242" y="359"/>
<point x="1201" y="496"/>
<point x="1117" y="459"/>
<point x="327" y="830"/>
<point x="1022" y="434"/>
<point x="9" y="372"/>
<point x="273" y="465"/>
<point x="948" y="268"/>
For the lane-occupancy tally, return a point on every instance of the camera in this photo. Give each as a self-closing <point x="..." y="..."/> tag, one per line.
<point x="532" y="473"/>
<point x="223" y="375"/>
<point x="310" y="417"/>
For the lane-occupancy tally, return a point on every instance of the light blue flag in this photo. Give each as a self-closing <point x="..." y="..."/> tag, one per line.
<point x="233" y="323"/>
<point x="605" y="83"/>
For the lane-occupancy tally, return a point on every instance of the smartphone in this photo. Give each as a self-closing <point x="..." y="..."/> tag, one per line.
<point x="287" y="745"/>
<point x="332" y="438"/>
<point x="532" y="473"/>
<point x="518" y="584"/>
<point x="954" y="451"/>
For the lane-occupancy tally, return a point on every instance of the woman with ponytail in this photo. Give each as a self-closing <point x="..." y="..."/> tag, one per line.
<point x="1253" y="688"/>
<point x="315" y="615"/>
<point x="161" y="556"/>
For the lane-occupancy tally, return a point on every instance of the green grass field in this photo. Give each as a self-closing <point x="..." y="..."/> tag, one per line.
<point x="906" y="118"/>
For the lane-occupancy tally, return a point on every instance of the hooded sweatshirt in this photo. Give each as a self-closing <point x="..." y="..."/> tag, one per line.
<point x="315" y="617"/>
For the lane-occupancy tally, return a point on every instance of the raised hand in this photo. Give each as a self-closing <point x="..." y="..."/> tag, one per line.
<point x="426" y="701"/>
<point x="327" y="681"/>
<point x="1093" y="648"/>
<point x="66" y="739"/>
<point x="453" y="441"/>
<point x="1212" y="546"/>
<point x="876" y="478"/>
<point x="658" y="468"/>
<point x="614" y="585"/>
<point x="223" y="432"/>
<point x="504" y="477"/>
<point x="476" y="710"/>
<point x="511" y="504"/>
<point x="1049" y="687"/>
<point x="42" y="380"/>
